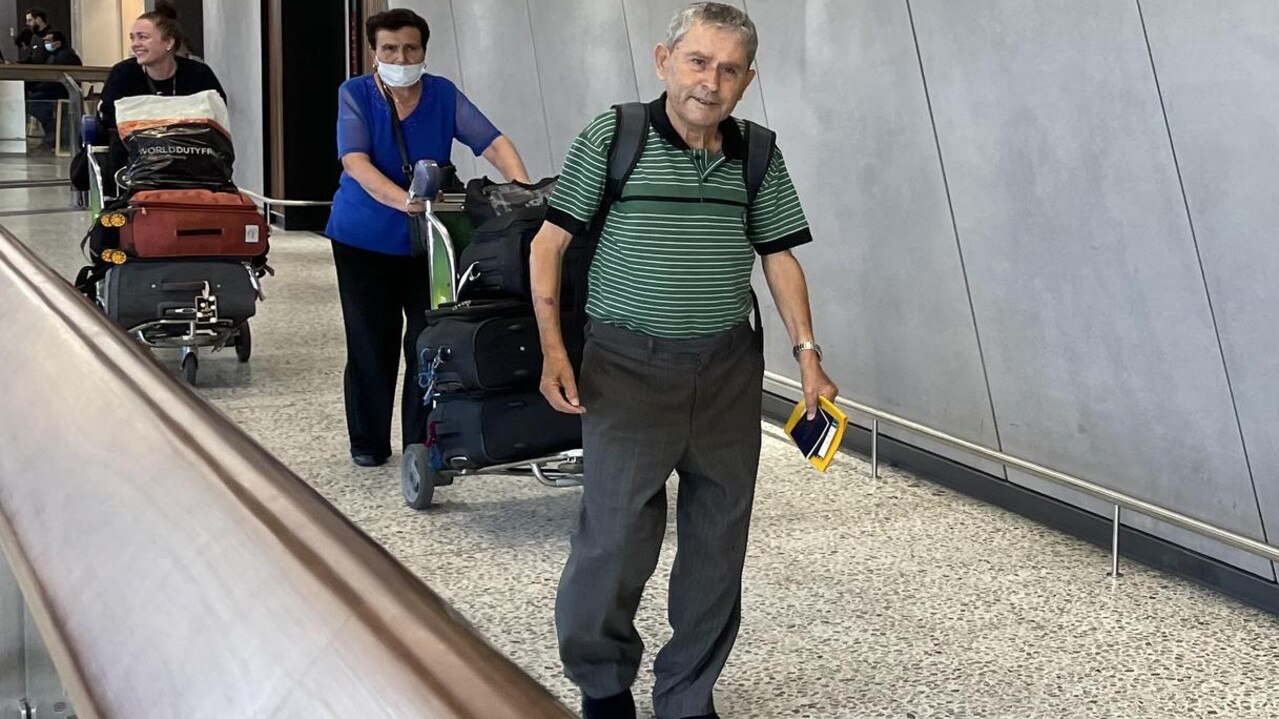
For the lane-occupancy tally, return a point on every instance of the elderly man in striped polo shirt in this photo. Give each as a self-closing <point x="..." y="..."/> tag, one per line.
<point x="672" y="374"/>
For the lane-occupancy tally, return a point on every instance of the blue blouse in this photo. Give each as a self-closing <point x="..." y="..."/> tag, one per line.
<point x="364" y="125"/>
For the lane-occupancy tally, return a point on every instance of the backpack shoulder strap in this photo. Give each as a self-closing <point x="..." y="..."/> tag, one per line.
<point x="625" y="150"/>
<point x="760" y="142"/>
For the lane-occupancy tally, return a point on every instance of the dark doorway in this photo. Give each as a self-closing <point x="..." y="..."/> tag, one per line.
<point x="191" y="17"/>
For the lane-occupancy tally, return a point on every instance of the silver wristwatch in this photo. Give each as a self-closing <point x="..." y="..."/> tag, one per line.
<point x="807" y="345"/>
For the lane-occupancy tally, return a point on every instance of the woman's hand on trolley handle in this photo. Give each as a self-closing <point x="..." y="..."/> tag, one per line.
<point x="414" y="206"/>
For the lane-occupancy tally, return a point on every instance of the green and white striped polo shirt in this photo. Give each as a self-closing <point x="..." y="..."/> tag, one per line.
<point x="677" y="249"/>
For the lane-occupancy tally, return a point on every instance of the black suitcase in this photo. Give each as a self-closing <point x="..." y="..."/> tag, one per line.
<point x="486" y="345"/>
<point x="474" y="431"/>
<point x="138" y="292"/>
<point x="497" y="259"/>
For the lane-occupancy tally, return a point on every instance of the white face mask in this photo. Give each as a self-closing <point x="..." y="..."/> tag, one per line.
<point x="49" y="46"/>
<point x="400" y="75"/>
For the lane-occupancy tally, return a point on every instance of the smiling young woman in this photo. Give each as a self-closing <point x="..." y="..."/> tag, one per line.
<point x="155" y="68"/>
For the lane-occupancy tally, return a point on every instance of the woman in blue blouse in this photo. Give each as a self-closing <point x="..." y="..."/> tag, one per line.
<point x="379" y="282"/>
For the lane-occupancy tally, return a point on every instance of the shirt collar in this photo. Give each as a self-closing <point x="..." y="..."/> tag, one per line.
<point x="733" y="146"/>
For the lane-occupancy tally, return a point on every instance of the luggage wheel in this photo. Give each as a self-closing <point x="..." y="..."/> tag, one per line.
<point x="418" y="479"/>
<point x="243" y="342"/>
<point x="190" y="364"/>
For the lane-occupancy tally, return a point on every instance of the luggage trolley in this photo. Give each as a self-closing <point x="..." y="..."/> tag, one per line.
<point x="418" y="476"/>
<point x="188" y="326"/>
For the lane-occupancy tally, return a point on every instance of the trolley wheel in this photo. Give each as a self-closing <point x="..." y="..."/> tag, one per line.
<point x="190" y="366"/>
<point x="244" y="343"/>
<point x="417" y="478"/>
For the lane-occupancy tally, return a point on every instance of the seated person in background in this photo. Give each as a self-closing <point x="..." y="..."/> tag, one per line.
<point x="42" y="99"/>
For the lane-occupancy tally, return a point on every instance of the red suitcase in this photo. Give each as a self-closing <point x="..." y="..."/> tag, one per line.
<point x="193" y="223"/>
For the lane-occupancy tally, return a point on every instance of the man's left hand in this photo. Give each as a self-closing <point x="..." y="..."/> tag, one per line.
<point x="816" y="383"/>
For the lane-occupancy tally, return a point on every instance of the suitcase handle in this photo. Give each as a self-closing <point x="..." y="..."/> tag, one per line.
<point x="200" y="232"/>
<point x="177" y="286"/>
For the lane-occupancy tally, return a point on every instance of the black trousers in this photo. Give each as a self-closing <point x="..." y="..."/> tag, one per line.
<point x="378" y="292"/>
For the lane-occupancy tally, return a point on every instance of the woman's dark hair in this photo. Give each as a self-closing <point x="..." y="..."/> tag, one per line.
<point x="165" y="19"/>
<point x="395" y="20"/>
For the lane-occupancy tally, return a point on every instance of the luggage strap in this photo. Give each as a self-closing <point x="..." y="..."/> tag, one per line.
<point x="426" y="376"/>
<point x="417" y="233"/>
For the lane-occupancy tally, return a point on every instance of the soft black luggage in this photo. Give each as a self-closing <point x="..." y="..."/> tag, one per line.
<point x="138" y="292"/>
<point x="486" y="345"/>
<point x="486" y="199"/>
<point x="475" y="431"/>
<point x="496" y="262"/>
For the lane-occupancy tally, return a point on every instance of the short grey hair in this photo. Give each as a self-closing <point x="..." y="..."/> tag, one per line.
<point x="720" y="15"/>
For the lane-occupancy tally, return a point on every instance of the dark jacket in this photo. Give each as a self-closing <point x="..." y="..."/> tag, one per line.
<point x="34" y="50"/>
<point x="54" y="90"/>
<point x="64" y="55"/>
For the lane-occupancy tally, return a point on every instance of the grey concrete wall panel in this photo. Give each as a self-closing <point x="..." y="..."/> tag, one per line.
<point x="584" y="61"/>
<point x="233" y="48"/>
<point x="647" y="22"/>
<point x="891" y="309"/>
<point x="442" y="59"/>
<point x="1218" y="65"/>
<point x="499" y="66"/>
<point x="1100" y="346"/>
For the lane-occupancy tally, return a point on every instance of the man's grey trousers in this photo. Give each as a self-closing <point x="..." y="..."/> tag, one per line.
<point x="654" y="406"/>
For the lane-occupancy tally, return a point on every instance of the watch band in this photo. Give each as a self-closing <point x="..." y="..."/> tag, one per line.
<point x="807" y="345"/>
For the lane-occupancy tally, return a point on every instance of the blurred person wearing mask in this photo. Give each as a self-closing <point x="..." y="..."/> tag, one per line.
<point x="44" y="96"/>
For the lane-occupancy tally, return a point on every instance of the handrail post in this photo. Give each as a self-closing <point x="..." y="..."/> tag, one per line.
<point x="874" y="448"/>
<point x="1114" y="544"/>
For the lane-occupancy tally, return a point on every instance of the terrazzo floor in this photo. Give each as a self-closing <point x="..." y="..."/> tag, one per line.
<point x="864" y="597"/>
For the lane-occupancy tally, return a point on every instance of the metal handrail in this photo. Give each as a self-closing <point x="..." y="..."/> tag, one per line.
<point x="268" y="201"/>
<point x="1117" y="499"/>
<point x="140" y="575"/>
<point x="53" y="73"/>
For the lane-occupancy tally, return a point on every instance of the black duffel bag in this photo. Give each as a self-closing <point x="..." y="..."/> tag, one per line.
<point x="179" y="156"/>
<point x="496" y="262"/>
<point x="486" y="199"/>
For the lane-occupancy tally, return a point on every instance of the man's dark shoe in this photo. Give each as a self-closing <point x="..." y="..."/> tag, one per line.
<point x="368" y="460"/>
<point x="618" y="706"/>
